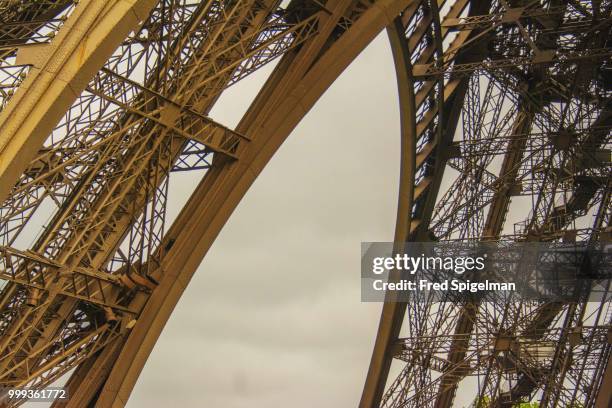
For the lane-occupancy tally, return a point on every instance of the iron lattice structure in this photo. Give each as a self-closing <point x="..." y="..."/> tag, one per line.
<point x="505" y="109"/>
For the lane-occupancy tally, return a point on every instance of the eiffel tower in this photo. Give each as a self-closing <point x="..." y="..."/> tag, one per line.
<point x="101" y="101"/>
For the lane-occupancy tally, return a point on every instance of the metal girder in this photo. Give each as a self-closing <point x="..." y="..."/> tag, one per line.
<point x="58" y="161"/>
<point x="294" y="91"/>
<point x="492" y="228"/>
<point x="505" y="46"/>
<point x="87" y="39"/>
<point x="39" y="274"/>
<point x="88" y="343"/>
<point x="124" y="179"/>
<point x="427" y="71"/>
<point x="29" y="22"/>
<point x="604" y="396"/>
<point x="175" y="117"/>
<point x="20" y="34"/>
<point x="420" y="143"/>
<point x="110" y="273"/>
<point x="103" y="240"/>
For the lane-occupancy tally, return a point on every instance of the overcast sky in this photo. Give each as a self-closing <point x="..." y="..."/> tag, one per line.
<point x="273" y="316"/>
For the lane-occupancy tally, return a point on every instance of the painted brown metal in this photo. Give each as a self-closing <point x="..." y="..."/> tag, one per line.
<point x="60" y="72"/>
<point x="417" y="384"/>
<point x="77" y="299"/>
<point x="217" y="196"/>
<point x="108" y="374"/>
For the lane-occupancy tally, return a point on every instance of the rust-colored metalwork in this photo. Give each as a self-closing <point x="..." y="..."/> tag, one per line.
<point x="101" y="101"/>
<point x="509" y="101"/>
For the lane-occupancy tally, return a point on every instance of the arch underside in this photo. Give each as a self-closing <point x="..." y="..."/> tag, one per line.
<point x="502" y="107"/>
<point x="96" y="288"/>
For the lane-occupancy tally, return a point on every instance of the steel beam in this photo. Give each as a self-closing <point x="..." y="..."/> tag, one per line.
<point x="268" y="123"/>
<point x="59" y="75"/>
